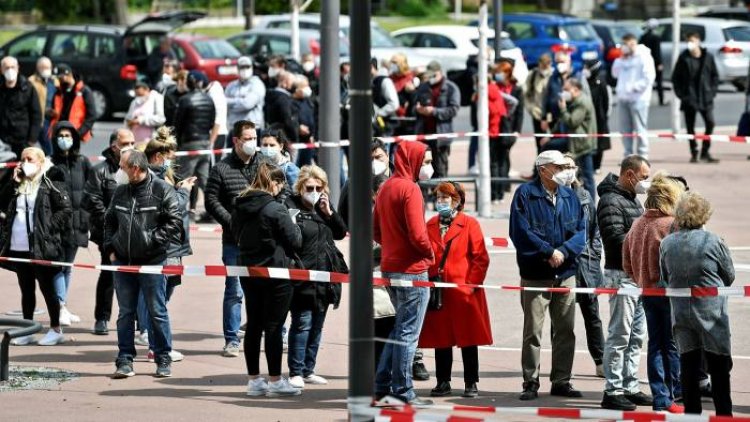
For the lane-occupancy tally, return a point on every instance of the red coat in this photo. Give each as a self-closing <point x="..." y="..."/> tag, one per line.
<point x="464" y="319"/>
<point x="496" y="107"/>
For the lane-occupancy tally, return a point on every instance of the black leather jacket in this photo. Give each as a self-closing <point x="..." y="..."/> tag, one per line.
<point x="141" y="222"/>
<point x="98" y="192"/>
<point x="194" y="118"/>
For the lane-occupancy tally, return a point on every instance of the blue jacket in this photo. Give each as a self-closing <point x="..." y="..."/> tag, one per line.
<point x="537" y="228"/>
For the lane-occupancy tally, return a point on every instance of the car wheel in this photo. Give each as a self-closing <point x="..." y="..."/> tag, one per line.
<point x="740" y="84"/>
<point x="101" y="103"/>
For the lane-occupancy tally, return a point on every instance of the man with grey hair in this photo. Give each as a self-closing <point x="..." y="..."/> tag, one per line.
<point x="46" y="85"/>
<point x="140" y="222"/>
<point x="20" y="113"/>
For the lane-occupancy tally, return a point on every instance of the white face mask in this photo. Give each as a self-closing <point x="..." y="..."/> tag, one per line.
<point x="642" y="187"/>
<point x="426" y="172"/>
<point x="308" y="66"/>
<point x="434" y="80"/>
<point x="561" y="178"/>
<point x="566" y="96"/>
<point x="11" y="75"/>
<point x="64" y="143"/>
<point x="693" y="46"/>
<point x="625" y="49"/>
<point x="273" y="72"/>
<point x="167" y="79"/>
<point x="562" y="67"/>
<point x="121" y="178"/>
<point x="568" y="176"/>
<point x="394" y="69"/>
<point x="311" y="198"/>
<point x="378" y="167"/>
<point x="249" y="147"/>
<point x="29" y="169"/>
<point x="246" y="74"/>
<point x="46" y="73"/>
<point x="270" y="152"/>
<point x="307" y="92"/>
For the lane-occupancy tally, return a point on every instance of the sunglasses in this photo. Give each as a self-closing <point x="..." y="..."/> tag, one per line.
<point x="314" y="189"/>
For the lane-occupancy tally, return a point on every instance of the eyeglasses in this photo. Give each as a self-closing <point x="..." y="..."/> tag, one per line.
<point x="314" y="188"/>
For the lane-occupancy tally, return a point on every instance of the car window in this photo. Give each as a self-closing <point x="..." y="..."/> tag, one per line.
<point x="104" y="47"/>
<point x="434" y="41"/>
<point x="737" y="33"/>
<point x="66" y="45"/>
<point x="31" y="45"/>
<point x="664" y="31"/>
<point x="215" y="49"/>
<point x="619" y="31"/>
<point x="244" y="43"/>
<point x="288" y="24"/>
<point x="686" y="29"/>
<point x="505" y="43"/>
<point x="576" y="32"/>
<point x="407" y="39"/>
<point x="278" y="45"/>
<point x="179" y="52"/>
<point x="520" y="30"/>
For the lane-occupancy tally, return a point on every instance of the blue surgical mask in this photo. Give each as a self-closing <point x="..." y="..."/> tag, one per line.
<point x="167" y="164"/>
<point x="270" y="152"/>
<point x="445" y="210"/>
<point x="500" y="77"/>
<point x="64" y="143"/>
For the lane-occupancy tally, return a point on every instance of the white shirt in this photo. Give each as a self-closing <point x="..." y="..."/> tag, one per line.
<point x="19" y="239"/>
<point x="216" y="92"/>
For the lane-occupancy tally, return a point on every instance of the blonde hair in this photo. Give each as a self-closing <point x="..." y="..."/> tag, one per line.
<point x="663" y="194"/>
<point x="311" y="172"/>
<point x="693" y="211"/>
<point x="162" y="142"/>
<point x="401" y="61"/>
<point x="27" y="186"/>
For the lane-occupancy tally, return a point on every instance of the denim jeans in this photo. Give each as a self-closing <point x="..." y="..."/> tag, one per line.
<point x="144" y="319"/>
<point x="663" y="359"/>
<point x="127" y="287"/>
<point x="394" y="371"/>
<point x="627" y="330"/>
<point x="304" y="340"/>
<point x="634" y="119"/>
<point x="62" y="279"/>
<point x="232" y="312"/>
<point x="586" y="165"/>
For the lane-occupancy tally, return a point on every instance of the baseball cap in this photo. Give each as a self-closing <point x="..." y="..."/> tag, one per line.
<point x="199" y="76"/>
<point x="244" y="61"/>
<point x="432" y="68"/>
<point x="550" y="157"/>
<point x="63" y="69"/>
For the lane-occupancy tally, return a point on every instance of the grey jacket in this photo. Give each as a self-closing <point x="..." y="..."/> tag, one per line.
<point x="446" y="108"/>
<point x="589" y="273"/>
<point x="245" y="101"/>
<point x="697" y="258"/>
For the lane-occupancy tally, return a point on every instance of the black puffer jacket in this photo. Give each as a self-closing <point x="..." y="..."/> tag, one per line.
<point x="194" y="118"/>
<point x="319" y="253"/>
<point x="280" y="110"/>
<point x="98" y="192"/>
<point x="171" y="97"/>
<point x="616" y="212"/>
<point x="141" y="222"/>
<point x="52" y="214"/>
<point x="20" y="113"/>
<point x="76" y="168"/>
<point x="264" y="231"/>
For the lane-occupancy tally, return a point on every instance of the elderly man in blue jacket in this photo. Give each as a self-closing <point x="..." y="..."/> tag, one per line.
<point x="548" y="229"/>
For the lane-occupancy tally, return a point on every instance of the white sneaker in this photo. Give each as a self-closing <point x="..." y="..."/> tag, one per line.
<point x="142" y="339"/>
<point x="22" y="341"/>
<point x="257" y="387"/>
<point x="52" y="338"/>
<point x="297" y="382"/>
<point x="65" y="319"/>
<point x="315" y="380"/>
<point x="282" y="388"/>
<point x="176" y="356"/>
<point x="73" y="317"/>
<point x="474" y="170"/>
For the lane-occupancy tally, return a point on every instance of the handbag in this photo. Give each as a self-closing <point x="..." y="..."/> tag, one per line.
<point x="435" y="303"/>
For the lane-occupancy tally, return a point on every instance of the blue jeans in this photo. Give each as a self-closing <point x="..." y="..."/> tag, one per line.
<point x="128" y="287"/>
<point x="62" y="279"/>
<point x="663" y="359"/>
<point x="634" y="119"/>
<point x="622" y="349"/>
<point x="232" y="312"/>
<point x="394" y="371"/>
<point x="586" y="165"/>
<point x="304" y="340"/>
<point x="144" y="320"/>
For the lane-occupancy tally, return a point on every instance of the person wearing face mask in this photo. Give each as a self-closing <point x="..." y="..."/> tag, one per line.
<point x="406" y="84"/>
<point x="169" y="70"/>
<point x="548" y="228"/>
<point x="436" y="105"/>
<point x="141" y="222"/>
<point x="510" y="122"/>
<point x="534" y="98"/>
<point x="399" y="227"/>
<point x="320" y="225"/>
<point x="74" y="102"/>
<point x="276" y="66"/>
<point x="172" y="96"/>
<point x="46" y="85"/>
<point x="35" y="217"/>
<point x="577" y="116"/>
<point x="76" y="168"/>
<point x="696" y="82"/>
<point x="616" y="212"/>
<point x="635" y="72"/>
<point x="245" y="97"/>
<point x="463" y="320"/>
<point x="98" y="192"/>
<point x="146" y="112"/>
<point x="277" y="150"/>
<point x="550" y="110"/>
<point x="652" y="40"/>
<point x="311" y="71"/>
<point x="266" y="236"/>
<point x="279" y="108"/>
<point x="381" y="167"/>
<point x="307" y="111"/>
<point x="384" y="101"/>
<point x="20" y="111"/>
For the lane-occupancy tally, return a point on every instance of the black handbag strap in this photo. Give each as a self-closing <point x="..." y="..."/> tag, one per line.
<point x="445" y="256"/>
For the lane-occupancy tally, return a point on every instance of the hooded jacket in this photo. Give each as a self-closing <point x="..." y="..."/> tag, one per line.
<point x="98" y="192"/>
<point x="617" y="211"/>
<point x="76" y="169"/>
<point x="399" y="225"/>
<point x="635" y="76"/>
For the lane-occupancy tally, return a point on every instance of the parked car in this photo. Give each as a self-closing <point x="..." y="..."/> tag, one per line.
<point x="214" y="56"/>
<point x="452" y="45"/>
<point x="727" y="40"/>
<point x="611" y="33"/>
<point x="539" y="33"/>
<point x="266" y="42"/>
<point x="734" y="13"/>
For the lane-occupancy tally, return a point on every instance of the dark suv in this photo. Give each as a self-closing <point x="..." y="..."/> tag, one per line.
<point x="108" y="58"/>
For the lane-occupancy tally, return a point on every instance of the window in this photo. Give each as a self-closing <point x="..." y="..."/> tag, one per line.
<point x="505" y="43"/>
<point x="737" y="33"/>
<point x="520" y="30"/>
<point x="665" y="31"/>
<point x="179" y="52"/>
<point x="104" y="47"/>
<point x="407" y="39"/>
<point x="575" y="32"/>
<point x="31" y="45"/>
<point x="215" y="49"/>
<point x="277" y="45"/>
<point x="70" y="46"/>
<point x="288" y="25"/>
<point x="435" y="41"/>
<point x="245" y="44"/>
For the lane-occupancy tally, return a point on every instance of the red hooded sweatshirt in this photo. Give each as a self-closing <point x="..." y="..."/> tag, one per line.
<point x="399" y="225"/>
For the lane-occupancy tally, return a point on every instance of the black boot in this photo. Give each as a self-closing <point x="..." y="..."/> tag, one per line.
<point x="442" y="389"/>
<point x="471" y="390"/>
<point x="419" y="372"/>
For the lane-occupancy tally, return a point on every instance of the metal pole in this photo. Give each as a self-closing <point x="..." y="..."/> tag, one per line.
<point x="295" y="31"/>
<point x="497" y="15"/>
<point x="330" y="84"/>
<point x="361" y="353"/>
<point x="676" y="118"/>
<point x="457" y="10"/>
<point x="483" y="194"/>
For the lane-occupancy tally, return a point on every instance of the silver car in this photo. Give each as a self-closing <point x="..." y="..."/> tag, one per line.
<point x="727" y="40"/>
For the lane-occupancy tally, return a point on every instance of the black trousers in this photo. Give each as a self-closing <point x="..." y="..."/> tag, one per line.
<point x="267" y="305"/>
<point x="444" y="364"/>
<point x="538" y="139"/>
<point x="441" y="152"/>
<point x="660" y="85"/>
<point x="105" y="291"/>
<point x="589" y="305"/>
<point x="383" y="328"/>
<point x="28" y="275"/>
<point x="708" y="119"/>
<point x="598" y="157"/>
<point x="719" y="367"/>
<point x="500" y="164"/>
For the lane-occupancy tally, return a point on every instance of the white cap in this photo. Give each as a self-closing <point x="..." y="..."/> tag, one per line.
<point x="550" y="157"/>
<point x="652" y="23"/>
<point x="244" y="61"/>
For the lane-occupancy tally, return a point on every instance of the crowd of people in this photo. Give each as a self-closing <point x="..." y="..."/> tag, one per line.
<point x="275" y="210"/>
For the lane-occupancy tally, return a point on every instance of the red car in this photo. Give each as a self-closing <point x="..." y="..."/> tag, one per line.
<point x="214" y="56"/>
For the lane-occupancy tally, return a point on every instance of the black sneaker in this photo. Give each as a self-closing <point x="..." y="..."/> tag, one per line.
<point x="100" y="328"/>
<point x="124" y="370"/>
<point x="640" y="399"/>
<point x="565" y="390"/>
<point x="707" y="158"/>
<point x="471" y="390"/>
<point x="617" y="402"/>
<point x="441" y="390"/>
<point x="694" y="159"/>
<point x="530" y="392"/>
<point x="419" y="372"/>
<point x="163" y="370"/>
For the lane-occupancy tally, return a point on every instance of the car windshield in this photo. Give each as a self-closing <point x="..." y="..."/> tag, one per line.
<point x="619" y="31"/>
<point x="378" y="38"/>
<point x="738" y="33"/>
<point x="576" y="32"/>
<point x="215" y="49"/>
<point x="505" y="43"/>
